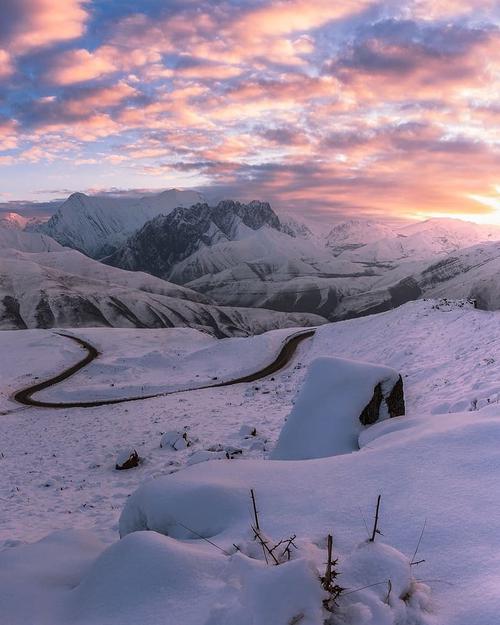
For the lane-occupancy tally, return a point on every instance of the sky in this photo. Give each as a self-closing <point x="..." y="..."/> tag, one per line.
<point x="379" y="108"/>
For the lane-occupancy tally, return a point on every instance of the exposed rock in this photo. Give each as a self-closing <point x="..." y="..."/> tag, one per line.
<point x="127" y="459"/>
<point x="371" y="411"/>
<point x="396" y="400"/>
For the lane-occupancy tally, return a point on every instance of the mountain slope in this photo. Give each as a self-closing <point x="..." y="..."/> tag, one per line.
<point x="424" y="240"/>
<point x="98" y="225"/>
<point x="12" y="237"/>
<point x="469" y="273"/>
<point x="67" y="289"/>
<point x="355" y="233"/>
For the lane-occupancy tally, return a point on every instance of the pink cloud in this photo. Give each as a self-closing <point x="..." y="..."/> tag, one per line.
<point x="6" y="66"/>
<point x="98" y="98"/>
<point x="80" y="65"/>
<point x="8" y="134"/>
<point x="37" y="23"/>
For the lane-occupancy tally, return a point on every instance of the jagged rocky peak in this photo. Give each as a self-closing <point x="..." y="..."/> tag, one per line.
<point x="294" y="228"/>
<point x="166" y="240"/>
<point x="255" y="214"/>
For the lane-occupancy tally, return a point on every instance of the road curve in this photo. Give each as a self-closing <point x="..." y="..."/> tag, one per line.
<point x="25" y="396"/>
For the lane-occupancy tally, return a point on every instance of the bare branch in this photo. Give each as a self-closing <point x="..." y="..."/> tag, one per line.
<point x="375" y="524"/>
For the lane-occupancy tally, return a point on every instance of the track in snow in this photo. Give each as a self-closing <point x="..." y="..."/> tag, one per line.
<point x="25" y="396"/>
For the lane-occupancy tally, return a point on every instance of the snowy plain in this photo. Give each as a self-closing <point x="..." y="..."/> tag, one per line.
<point x="439" y="465"/>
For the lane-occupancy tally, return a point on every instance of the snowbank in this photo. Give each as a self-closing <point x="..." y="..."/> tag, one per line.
<point x="36" y="579"/>
<point x="445" y="471"/>
<point x="326" y="418"/>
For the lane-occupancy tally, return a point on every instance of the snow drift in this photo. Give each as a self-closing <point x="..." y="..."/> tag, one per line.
<point x="337" y="399"/>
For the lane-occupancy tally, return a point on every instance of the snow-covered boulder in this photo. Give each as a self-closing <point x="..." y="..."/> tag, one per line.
<point x="175" y="439"/>
<point x="337" y="399"/>
<point x="127" y="459"/>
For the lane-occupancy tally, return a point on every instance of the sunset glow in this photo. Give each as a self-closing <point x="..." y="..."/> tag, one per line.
<point x="352" y="107"/>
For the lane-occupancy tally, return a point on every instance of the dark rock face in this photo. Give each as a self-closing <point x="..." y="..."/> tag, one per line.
<point x="12" y="312"/>
<point x="167" y="240"/>
<point x="44" y="315"/>
<point x="395" y="402"/>
<point x="404" y="291"/>
<point x="371" y="411"/>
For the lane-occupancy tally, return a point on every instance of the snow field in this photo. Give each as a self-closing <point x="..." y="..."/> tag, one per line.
<point x="430" y="467"/>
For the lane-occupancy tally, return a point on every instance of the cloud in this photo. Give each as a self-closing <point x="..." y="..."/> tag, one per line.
<point x="80" y="65"/>
<point x="362" y="106"/>
<point x="8" y="134"/>
<point x="6" y="66"/>
<point x="31" y="24"/>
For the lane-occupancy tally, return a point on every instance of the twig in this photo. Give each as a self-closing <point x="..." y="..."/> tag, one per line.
<point x="412" y="561"/>
<point x="375" y="524"/>
<point x="364" y="521"/>
<point x="389" y="590"/>
<point x="328" y="580"/>
<point x="204" y="538"/>
<point x="328" y="573"/>
<point x="265" y="547"/>
<point x="435" y="581"/>
<point x="287" y="549"/>
<point x="289" y="543"/>
<point x="255" y="514"/>
<point x="256" y="530"/>
<point x="350" y="592"/>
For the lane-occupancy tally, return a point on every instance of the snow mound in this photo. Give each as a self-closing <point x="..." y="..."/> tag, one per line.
<point x="35" y="578"/>
<point x="396" y="597"/>
<point x="191" y="512"/>
<point x="326" y="419"/>
<point x="149" y="579"/>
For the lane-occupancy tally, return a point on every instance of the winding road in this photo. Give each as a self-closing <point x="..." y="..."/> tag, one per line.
<point x="25" y="396"/>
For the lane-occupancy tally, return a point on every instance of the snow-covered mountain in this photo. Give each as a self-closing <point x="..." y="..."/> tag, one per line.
<point x="354" y="233"/>
<point x="239" y="254"/>
<point x="423" y="240"/>
<point x="13" y="220"/>
<point x="468" y="273"/>
<point x="168" y="240"/>
<point x="65" y="288"/>
<point x="15" y="238"/>
<point x="295" y="228"/>
<point x="97" y="225"/>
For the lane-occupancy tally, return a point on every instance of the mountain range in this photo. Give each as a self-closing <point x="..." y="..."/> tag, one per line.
<point x="61" y="287"/>
<point x="175" y="246"/>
